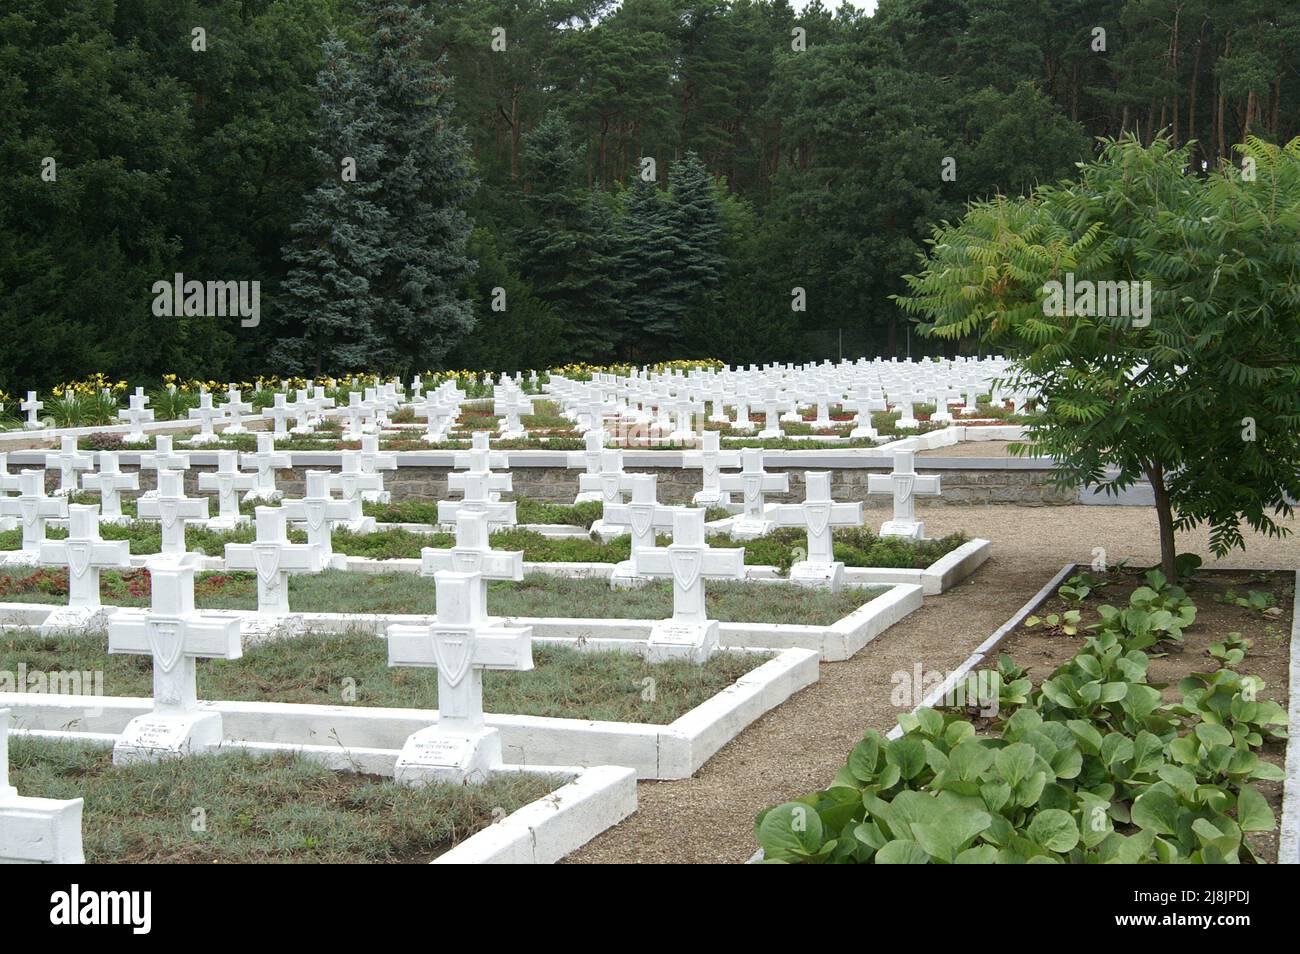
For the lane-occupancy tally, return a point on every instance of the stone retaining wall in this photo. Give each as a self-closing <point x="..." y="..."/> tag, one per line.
<point x="967" y="485"/>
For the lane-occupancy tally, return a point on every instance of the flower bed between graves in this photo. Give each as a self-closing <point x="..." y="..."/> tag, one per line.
<point x="1125" y="722"/>
<point x="855" y="546"/>
<point x="273" y="808"/>
<point x="566" y="683"/>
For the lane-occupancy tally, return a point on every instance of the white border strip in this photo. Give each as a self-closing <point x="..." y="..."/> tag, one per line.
<point x="1288" y="849"/>
<point x="368" y="738"/>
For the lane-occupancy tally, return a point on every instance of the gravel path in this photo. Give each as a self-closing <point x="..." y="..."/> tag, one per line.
<point x="799" y="746"/>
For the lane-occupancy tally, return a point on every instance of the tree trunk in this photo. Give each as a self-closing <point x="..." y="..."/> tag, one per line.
<point x="1165" y="518"/>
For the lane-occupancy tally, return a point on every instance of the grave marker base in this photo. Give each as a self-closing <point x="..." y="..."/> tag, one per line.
<point x="674" y="639"/>
<point x="913" y="530"/>
<point x="40" y="831"/>
<point x="822" y="576"/>
<point x="625" y="577"/>
<point x="76" y="618"/>
<point x="750" y="528"/>
<point x="455" y="756"/>
<point x="162" y="735"/>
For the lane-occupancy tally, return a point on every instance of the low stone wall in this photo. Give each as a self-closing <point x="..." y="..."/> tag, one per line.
<point x="969" y="484"/>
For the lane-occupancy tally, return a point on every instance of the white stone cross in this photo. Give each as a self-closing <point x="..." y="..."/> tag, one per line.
<point x="35" y="830"/>
<point x="32" y="407"/>
<point x="172" y="508"/>
<point x="753" y="482"/>
<point x="689" y="561"/>
<point x="473" y="554"/>
<point x="69" y="460"/>
<point x="372" y="461"/>
<point x="478" y="495"/>
<point x="227" y="481"/>
<point x="8" y="482"/>
<point x="351" y="484"/>
<point x="819" y="513"/>
<point x="511" y="406"/>
<point x="862" y="427"/>
<point x="437" y="417"/>
<point x="32" y="508"/>
<point x="643" y="514"/>
<point x="461" y="643"/>
<point x="907" y="403"/>
<point x="589" y="458"/>
<point x="163" y="458"/>
<point x="320" y="512"/>
<point x="480" y="456"/>
<point x="773" y="404"/>
<point x="233" y="411"/>
<point x="84" y="553"/>
<point x="273" y="558"/>
<point x="709" y="460"/>
<point x="206" y="414"/>
<point x="280" y="412"/>
<point x="176" y="636"/>
<point x="304" y="412"/>
<point x="136" y="415"/>
<point x="266" y="460"/>
<point x="905" y="484"/>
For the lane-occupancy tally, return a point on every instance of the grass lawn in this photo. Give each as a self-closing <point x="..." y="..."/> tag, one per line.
<point x="337" y="591"/>
<point x="278" y="808"/>
<point x="565" y="683"/>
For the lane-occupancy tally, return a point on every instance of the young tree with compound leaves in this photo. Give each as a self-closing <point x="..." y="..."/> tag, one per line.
<point x="1201" y="394"/>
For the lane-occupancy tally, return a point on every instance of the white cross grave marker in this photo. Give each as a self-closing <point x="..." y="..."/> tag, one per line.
<point x="227" y="481"/>
<point x="84" y="553"/>
<point x="351" y="484"/>
<point x="473" y="554"/>
<point x="69" y="460"/>
<point x="752" y="482"/>
<point x="273" y="558"/>
<point x="233" y="411"/>
<point x="136" y="415"/>
<point x="460" y="747"/>
<point x="32" y="407"/>
<point x="206" y="414"/>
<point x="904" y="483"/>
<point x="320" y="512"/>
<point x="32" y="508"/>
<point x="111" y="482"/>
<point x="819" y="513"/>
<point x="372" y="461"/>
<point x="266" y="460"/>
<point x="172" y="508"/>
<point x="176" y="636"/>
<point x="161" y="458"/>
<point x="643" y="514"/>
<point x="709" y="460"/>
<point x="689" y="561"/>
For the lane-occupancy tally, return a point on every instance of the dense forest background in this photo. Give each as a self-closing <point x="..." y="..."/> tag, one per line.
<point x="783" y="160"/>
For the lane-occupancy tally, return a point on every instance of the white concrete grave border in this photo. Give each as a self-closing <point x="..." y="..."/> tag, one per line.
<point x="369" y="738"/>
<point x="835" y="642"/>
<point x="591" y="800"/>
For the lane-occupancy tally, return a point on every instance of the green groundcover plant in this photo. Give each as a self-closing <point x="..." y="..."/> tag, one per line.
<point x="1089" y="768"/>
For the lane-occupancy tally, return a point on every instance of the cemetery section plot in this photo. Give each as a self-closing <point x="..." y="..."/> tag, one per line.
<point x="236" y="807"/>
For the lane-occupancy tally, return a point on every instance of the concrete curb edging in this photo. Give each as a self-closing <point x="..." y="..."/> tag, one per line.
<point x="1288" y="849"/>
<point x="544" y="831"/>
<point x="369" y="738"/>
<point x="988" y="646"/>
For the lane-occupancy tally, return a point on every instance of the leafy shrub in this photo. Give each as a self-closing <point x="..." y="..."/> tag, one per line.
<point x="1093" y="768"/>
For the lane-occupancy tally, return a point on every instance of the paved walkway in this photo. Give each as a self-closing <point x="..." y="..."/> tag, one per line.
<point x="798" y="747"/>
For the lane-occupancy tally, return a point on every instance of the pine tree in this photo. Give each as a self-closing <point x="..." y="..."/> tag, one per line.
<point x="422" y="309"/>
<point x="655" y="298"/>
<point x="563" y="250"/>
<point x="336" y="250"/>
<point x="697" y="224"/>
